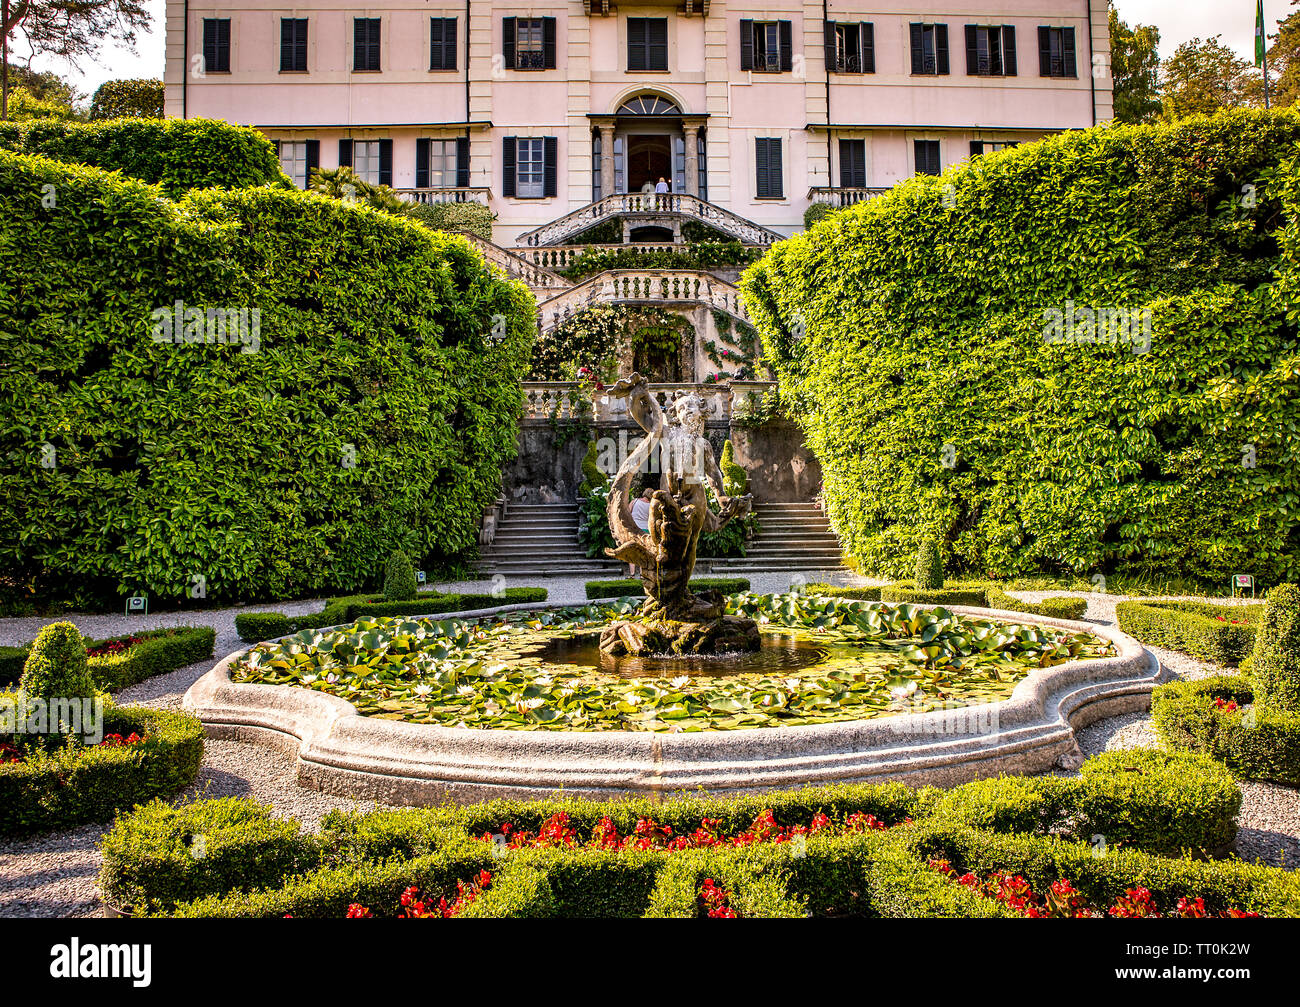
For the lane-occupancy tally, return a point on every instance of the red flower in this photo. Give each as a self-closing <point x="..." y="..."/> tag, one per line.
<point x="357" y="911"/>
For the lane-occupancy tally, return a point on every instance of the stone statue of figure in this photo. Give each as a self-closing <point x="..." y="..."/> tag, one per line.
<point x="673" y="620"/>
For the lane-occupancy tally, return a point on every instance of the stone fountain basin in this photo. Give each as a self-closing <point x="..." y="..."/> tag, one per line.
<point x="340" y="752"/>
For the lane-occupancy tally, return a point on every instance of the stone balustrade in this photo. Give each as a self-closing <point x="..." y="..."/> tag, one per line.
<point x="563" y="256"/>
<point x="657" y="204"/>
<point x="641" y="286"/>
<point x="569" y="400"/>
<point x="841" y="196"/>
<point x="536" y="276"/>
<point x="446" y="195"/>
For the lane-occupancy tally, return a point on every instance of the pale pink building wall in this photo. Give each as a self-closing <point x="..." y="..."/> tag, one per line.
<point x="405" y="100"/>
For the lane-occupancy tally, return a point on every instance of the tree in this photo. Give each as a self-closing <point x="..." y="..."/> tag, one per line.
<point x="142" y="99"/>
<point x="1135" y="70"/>
<point x="25" y="105"/>
<point x="1203" y="76"/>
<point x="1284" y="60"/>
<point x="68" y="29"/>
<point x="43" y="85"/>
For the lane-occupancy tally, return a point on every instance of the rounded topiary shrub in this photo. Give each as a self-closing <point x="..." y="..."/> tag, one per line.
<point x="399" y="578"/>
<point x="56" y="666"/>
<point x="963" y="358"/>
<point x="1275" y="662"/>
<point x="735" y="480"/>
<point x="263" y="388"/>
<point x="929" y="566"/>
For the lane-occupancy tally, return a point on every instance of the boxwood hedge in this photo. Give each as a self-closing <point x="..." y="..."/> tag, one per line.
<point x="176" y="154"/>
<point x="914" y="341"/>
<point x="974" y="593"/>
<point x="1030" y="825"/>
<point x="633" y="586"/>
<point x="88" y="784"/>
<point x="1223" y="634"/>
<point x="254" y="627"/>
<point x="375" y="413"/>
<point x="154" y="652"/>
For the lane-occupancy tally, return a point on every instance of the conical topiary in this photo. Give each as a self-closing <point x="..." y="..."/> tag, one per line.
<point x="56" y="666"/>
<point x="1275" y="663"/>
<point x="929" y="566"/>
<point x="399" y="578"/>
<point x="592" y="477"/>
<point x="735" y="480"/>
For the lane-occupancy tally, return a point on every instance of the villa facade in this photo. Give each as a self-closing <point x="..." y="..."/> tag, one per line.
<point x="537" y="111"/>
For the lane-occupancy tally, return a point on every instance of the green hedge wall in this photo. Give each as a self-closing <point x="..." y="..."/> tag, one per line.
<point x="254" y="627"/>
<point x="375" y="414"/>
<point x="90" y="784"/>
<point x="176" y="154"/>
<point x="1145" y="803"/>
<point x="976" y="594"/>
<point x="1202" y="629"/>
<point x="633" y="586"/>
<point x="908" y="334"/>
<point x="1255" y="743"/>
<point x="157" y="652"/>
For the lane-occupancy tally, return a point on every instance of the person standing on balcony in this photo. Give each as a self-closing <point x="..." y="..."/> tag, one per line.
<point x="661" y="185"/>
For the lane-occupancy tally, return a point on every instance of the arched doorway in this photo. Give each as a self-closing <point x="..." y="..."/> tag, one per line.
<point x="647" y="138"/>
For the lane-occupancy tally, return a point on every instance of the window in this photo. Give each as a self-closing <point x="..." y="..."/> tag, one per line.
<point x="293" y="45"/>
<point x="371" y="159"/>
<point x="438" y="163"/>
<point x="929" y="48"/>
<point x="442" y="43"/>
<point x="767" y="165"/>
<point x="853" y="164"/>
<point x="595" y="166"/>
<point x="529" y="167"/>
<point x="850" y="48"/>
<point x="365" y="43"/>
<point x="991" y="50"/>
<point x="298" y="158"/>
<point x="647" y="43"/>
<point x="767" y="46"/>
<point x="529" y="43"/>
<point x="703" y="172"/>
<point x="927" y="157"/>
<point x="1056" y="52"/>
<point x="216" y="45"/>
<point x="978" y="147"/>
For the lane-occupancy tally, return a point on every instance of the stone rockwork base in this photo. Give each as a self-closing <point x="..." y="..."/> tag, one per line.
<point x="340" y="752"/>
<point x="646" y="637"/>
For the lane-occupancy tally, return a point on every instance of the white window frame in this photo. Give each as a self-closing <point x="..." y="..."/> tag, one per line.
<point x="530" y="167"/>
<point x="365" y="160"/>
<point x="293" y="161"/>
<point x="443" y="164"/>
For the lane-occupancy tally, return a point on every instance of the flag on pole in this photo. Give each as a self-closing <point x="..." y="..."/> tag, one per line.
<point x="1260" y="47"/>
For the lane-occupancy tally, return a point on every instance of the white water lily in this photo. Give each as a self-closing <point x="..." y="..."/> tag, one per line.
<point x="793" y="684"/>
<point x="308" y="679"/>
<point x="567" y="691"/>
<point x="465" y="690"/>
<point x="681" y="681"/>
<point x="543" y="680"/>
<point x="529" y="704"/>
<point x="422" y="690"/>
<point x="491" y="709"/>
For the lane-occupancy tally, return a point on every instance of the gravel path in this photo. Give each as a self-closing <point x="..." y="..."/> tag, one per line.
<point x="53" y="875"/>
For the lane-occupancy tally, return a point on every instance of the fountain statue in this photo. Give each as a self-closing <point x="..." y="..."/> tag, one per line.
<point x="672" y="620"/>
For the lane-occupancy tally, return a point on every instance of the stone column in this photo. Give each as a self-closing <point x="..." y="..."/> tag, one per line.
<point x="691" y="142"/>
<point x="606" y="159"/>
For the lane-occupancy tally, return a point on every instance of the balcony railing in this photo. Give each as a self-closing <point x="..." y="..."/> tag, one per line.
<point x="841" y="196"/>
<point x="562" y="256"/>
<point x="545" y="400"/>
<point x="450" y="194"/>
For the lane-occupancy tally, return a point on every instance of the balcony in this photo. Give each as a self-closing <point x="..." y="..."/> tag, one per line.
<point x="451" y="194"/>
<point x="841" y="196"/>
<point x="604" y="8"/>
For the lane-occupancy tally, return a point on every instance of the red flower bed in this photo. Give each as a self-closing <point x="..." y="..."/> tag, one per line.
<point x="649" y="835"/>
<point x="114" y="646"/>
<point x="11" y="753"/>
<point x="1062" y="900"/>
<point x="716" y="901"/>
<point x="1226" y="705"/>
<point x="418" y="907"/>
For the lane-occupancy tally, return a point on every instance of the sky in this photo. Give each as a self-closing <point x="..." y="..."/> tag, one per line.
<point x="1178" y="21"/>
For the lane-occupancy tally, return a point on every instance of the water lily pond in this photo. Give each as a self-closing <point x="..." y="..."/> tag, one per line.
<point x="871" y="660"/>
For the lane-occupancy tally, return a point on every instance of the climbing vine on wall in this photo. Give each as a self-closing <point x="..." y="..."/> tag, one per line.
<point x="607" y="337"/>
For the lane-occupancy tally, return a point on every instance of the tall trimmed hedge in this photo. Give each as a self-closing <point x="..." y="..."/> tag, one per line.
<point x="376" y="411"/>
<point x="909" y="336"/>
<point x="177" y="154"/>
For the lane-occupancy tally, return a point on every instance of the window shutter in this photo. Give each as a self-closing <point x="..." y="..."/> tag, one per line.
<point x="918" y="49"/>
<point x="1067" y="52"/>
<point x="550" y="164"/>
<point x="358" y="43"/>
<point x="422" y="164"/>
<point x="972" y="51"/>
<point x="867" y="37"/>
<point x="548" y="43"/>
<point x="657" y="44"/>
<point x="442" y="43"/>
<point x="828" y="45"/>
<point x="1009" y="50"/>
<point x="746" y="44"/>
<point x="462" y="162"/>
<point x="508" y="162"/>
<point x="767" y="165"/>
<point x="313" y="158"/>
<point x="385" y="162"/>
<point x="276" y="144"/>
<point x="785" y="34"/>
<point x="216" y="45"/>
<point x="286" y="44"/>
<point x="1044" y="51"/>
<point x="853" y="164"/>
<point x="345" y="153"/>
<point x="760" y="167"/>
<point x="941" y="48"/>
<point x="976" y="148"/>
<point x="637" y="43"/>
<point x="508" y="43"/>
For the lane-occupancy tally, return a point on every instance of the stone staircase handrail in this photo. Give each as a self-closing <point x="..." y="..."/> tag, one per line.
<point x="535" y="276"/>
<point x="544" y="400"/>
<point x="641" y="286"/>
<point x="649" y="204"/>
